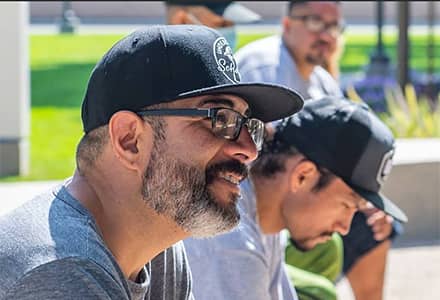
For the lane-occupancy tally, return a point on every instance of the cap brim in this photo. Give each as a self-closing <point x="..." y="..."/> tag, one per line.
<point x="383" y="203"/>
<point x="240" y="14"/>
<point x="267" y="102"/>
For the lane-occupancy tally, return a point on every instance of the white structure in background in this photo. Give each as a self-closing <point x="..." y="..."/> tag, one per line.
<point x="14" y="88"/>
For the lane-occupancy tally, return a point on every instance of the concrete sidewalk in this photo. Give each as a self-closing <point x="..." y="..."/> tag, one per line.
<point x="412" y="272"/>
<point x="14" y="194"/>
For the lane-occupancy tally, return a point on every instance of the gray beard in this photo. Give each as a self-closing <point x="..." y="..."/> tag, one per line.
<point x="180" y="192"/>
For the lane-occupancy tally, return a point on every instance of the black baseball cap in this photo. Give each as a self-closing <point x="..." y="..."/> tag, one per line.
<point x="230" y="10"/>
<point x="349" y="140"/>
<point x="164" y="63"/>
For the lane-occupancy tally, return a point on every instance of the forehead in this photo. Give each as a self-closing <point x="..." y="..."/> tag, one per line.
<point x="326" y="10"/>
<point x="340" y="188"/>
<point x="225" y="100"/>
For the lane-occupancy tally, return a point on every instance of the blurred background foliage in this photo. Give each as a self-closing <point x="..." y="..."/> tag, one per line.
<point x="407" y="115"/>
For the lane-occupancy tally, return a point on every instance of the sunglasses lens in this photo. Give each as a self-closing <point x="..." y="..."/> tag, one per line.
<point x="256" y="131"/>
<point x="227" y="124"/>
<point x="314" y="24"/>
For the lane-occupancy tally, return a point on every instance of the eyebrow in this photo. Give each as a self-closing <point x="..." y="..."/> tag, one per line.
<point x="337" y="22"/>
<point x="358" y="200"/>
<point x="223" y="101"/>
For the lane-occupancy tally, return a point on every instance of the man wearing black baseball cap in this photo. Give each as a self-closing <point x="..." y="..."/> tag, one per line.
<point x="320" y="166"/>
<point x="348" y="140"/>
<point x="169" y="130"/>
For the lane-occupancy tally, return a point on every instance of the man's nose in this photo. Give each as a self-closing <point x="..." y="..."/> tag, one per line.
<point x="243" y="149"/>
<point x="326" y="36"/>
<point x="343" y="225"/>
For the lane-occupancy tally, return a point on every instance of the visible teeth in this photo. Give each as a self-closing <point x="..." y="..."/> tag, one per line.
<point x="230" y="178"/>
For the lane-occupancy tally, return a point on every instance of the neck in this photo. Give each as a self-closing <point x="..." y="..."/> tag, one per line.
<point x="303" y="68"/>
<point x="269" y="194"/>
<point x="132" y="231"/>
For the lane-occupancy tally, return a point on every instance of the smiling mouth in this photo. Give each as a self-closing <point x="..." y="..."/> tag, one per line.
<point x="325" y="237"/>
<point x="230" y="178"/>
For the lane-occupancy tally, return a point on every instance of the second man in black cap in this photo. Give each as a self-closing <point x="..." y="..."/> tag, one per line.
<point x="320" y="167"/>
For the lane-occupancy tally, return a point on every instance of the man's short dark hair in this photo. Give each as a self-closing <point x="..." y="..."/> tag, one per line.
<point x="90" y="147"/>
<point x="272" y="160"/>
<point x="268" y="164"/>
<point x="293" y="4"/>
<point x="92" y="143"/>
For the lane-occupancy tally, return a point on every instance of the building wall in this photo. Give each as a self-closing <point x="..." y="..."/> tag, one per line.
<point x="414" y="185"/>
<point x="354" y="11"/>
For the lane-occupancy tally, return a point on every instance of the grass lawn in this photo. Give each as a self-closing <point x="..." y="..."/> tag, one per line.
<point x="60" y="67"/>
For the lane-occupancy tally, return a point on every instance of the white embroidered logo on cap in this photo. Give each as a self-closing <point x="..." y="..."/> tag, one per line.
<point x="225" y="60"/>
<point x="385" y="167"/>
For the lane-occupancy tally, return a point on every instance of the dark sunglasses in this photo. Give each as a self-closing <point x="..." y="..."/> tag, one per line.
<point x="314" y="23"/>
<point x="226" y="123"/>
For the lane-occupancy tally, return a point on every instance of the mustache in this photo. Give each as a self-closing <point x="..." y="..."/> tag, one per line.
<point x="327" y="233"/>
<point x="319" y="43"/>
<point x="231" y="166"/>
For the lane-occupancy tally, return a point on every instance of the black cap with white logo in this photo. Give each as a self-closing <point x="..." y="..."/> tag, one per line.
<point x="347" y="139"/>
<point x="165" y="63"/>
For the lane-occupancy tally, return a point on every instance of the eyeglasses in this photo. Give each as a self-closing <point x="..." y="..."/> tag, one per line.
<point x="226" y="123"/>
<point x="315" y="24"/>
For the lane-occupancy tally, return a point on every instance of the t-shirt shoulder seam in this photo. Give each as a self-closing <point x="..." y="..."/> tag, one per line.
<point x="57" y="196"/>
<point x="56" y="261"/>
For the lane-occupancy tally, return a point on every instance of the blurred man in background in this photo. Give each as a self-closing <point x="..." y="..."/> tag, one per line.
<point x="312" y="39"/>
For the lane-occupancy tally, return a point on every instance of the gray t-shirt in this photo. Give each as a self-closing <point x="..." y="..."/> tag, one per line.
<point x="244" y="264"/>
<point x="268" y="60"/>
<point x="51" y="248"/>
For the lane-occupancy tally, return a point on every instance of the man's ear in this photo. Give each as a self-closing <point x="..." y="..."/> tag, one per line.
<point x="304" y="175"/>
<point x="127" y="137"/>
<point x="285" y="22"/>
